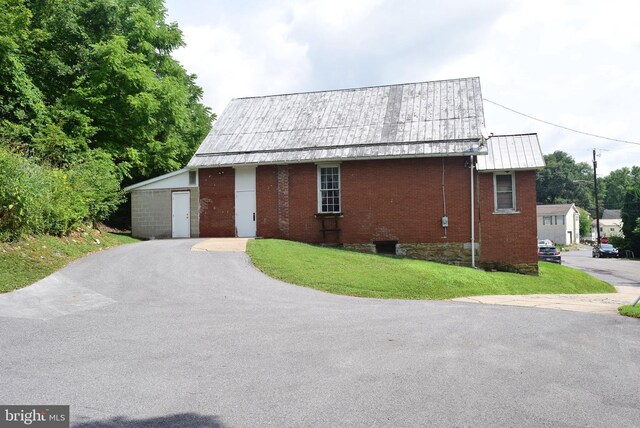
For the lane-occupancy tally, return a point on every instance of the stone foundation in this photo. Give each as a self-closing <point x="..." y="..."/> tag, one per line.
<point x="365" y="248"/>
<point x="522" y="268"/>
<point x="455" y="254"/>
<point x="458" y="254"/>
<point x="451" y="253"/>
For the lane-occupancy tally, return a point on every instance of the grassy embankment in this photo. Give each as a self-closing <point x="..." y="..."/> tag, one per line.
<point x="24" y="262"/>
<point x="368" y="275"/>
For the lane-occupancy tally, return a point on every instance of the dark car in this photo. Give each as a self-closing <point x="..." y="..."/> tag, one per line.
<point x="549" y="254"/>
<point x="605" y="250"/>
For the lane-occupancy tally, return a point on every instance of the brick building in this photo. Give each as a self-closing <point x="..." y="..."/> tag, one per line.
<point x="402" y="169"/>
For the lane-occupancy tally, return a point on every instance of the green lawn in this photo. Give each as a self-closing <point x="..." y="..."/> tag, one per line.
<point x="369" y="275"/>
<point x="630" y="311"/>
<point x="25" y="262"/>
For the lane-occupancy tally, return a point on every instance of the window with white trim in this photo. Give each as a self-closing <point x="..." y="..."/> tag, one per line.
<point x="505" y="192"/>
<point x="546" y="220"/>
<point x="328" y="188"/>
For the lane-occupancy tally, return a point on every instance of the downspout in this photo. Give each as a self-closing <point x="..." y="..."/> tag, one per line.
<point x="473" y="222"/>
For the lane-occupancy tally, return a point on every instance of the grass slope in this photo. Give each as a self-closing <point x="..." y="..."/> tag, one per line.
<point x="24" y="262"/>
<point x="369" y="275"/>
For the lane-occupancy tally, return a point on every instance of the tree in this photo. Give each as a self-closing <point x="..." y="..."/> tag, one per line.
<point x="630" y="217"/>
<point x="565" y="181"/>
<point x="98" y="74"/>
<point x="585" y="223"/>
<point x="616" y="185"/>
<point x="89" y="95"/>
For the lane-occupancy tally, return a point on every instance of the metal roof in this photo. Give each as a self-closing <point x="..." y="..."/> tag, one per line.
<point x="554" y="209"/>
<point x="441" y="118"/>
<point x="512" y="152"/>
<point x="155" y="179"/>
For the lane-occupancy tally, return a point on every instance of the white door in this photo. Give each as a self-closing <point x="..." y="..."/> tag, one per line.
<point x="246" y="202"/>
<point x="180" y="221"/>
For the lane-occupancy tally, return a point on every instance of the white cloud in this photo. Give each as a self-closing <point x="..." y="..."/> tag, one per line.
<point x="569" y="62"/>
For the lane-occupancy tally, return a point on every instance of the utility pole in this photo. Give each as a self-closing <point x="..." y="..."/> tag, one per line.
<point x="595" y="190"/>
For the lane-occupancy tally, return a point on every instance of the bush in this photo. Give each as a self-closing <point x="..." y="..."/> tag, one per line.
<point x="96" y="178"/>
<point x="22" y="185"/>
<point x="37" y="199"/>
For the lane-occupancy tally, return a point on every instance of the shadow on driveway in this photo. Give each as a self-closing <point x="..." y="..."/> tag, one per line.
<point x="181" y="420"/>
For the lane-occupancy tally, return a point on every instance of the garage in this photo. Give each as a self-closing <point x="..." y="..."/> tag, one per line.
<point x="166" y="206"/>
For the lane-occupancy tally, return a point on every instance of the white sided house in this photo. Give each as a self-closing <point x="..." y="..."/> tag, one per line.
<point x="559" y="223"/>
<point x="166" y="206"/>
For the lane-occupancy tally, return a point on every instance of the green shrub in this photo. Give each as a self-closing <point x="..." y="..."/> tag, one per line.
<point x="36" y="199"/>
<point x="97" y="179"/>
<point x="22" y="189"/>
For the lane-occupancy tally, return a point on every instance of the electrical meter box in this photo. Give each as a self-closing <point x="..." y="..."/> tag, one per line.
<point x="445" y="221"/>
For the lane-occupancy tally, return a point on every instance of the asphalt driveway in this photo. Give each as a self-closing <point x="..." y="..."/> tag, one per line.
<point x="153" y="334"/>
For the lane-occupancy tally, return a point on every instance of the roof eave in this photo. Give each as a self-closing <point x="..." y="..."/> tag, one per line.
<point x="158" y="178"/>
<point x="338" y="159"/>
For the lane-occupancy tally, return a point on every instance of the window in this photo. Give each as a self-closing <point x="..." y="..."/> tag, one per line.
<point x="504" y="185"/>
<point x="546" y="220"/>
<point x="192" y="178"/>
<point x="329" y="189"/>
<point x="559" y="219"/>
<point x="611" y="229"/>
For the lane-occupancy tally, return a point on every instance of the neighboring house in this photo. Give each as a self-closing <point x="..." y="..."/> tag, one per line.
<point x="608" y="227"/>
<point x="560" y="223"/>
<point x="401" y="169"/>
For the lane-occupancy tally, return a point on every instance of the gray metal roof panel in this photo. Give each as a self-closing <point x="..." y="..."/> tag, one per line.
<point x="449" y="110"/>
<point x="512" y="152"/>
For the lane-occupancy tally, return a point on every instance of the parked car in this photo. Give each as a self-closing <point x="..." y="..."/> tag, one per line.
<point x="544" y="243"/>
<point x="605" y="250"/>
<point x="549" y="254"/>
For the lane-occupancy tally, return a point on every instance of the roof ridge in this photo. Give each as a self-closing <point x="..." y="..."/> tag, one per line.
<point x="357" y="88"/>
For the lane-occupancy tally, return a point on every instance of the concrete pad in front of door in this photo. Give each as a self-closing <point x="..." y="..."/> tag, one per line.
<point x="222" y="244"/>
<point x="593" y="303"/>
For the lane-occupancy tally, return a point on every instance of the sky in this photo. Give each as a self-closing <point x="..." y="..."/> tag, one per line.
<point x="573" y="63"/>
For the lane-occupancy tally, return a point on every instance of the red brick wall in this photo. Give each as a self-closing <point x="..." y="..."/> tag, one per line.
<point x="290" y="217"/>
<point x="398" y="200"/>
<point x="509" y="238"/>
<point x="381" y="200"/>
<point x="267" y="202"/>
<point x="217" y="202"/>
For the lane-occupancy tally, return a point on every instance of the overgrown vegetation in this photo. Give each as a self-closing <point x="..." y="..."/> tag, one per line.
<point x="37" y="199"/>
<point x="368" y="275"/>
<point x="90" y="96"/>
<point x="630" y="311"/>
<point x="29" y="260"/>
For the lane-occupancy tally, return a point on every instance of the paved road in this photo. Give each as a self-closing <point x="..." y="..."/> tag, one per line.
<point x="153" y="334"/>
<point x="619" y="272"/>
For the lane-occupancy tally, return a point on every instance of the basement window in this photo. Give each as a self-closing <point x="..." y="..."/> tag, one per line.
<point x="385" y="247"/>
<point x="504" y="185"/>
<point x="328" y="188"/>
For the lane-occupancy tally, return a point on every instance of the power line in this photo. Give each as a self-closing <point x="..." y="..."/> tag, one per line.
<point x="560" y="126"/>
